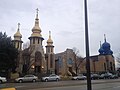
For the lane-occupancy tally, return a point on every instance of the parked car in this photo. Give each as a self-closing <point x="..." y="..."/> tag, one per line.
<point x="27" y="78"/>
<point x="114" y="76"/>
<point x="105" y="76"/>
<point x="95" y="76"/>
<point x="52" y="77"/>
<point x="79" y="77"/>
<point x="3" y="79"/>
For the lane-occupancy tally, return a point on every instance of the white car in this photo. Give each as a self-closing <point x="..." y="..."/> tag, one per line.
<point x="51" y="77"/>
<point x="27" y="78"/>
<point x="3" y="79"/>
<point x="79" y="77"/>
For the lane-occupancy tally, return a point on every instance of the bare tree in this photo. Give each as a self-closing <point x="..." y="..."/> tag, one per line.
<point x="27" y="54"/>
<point x="78" y="59"/>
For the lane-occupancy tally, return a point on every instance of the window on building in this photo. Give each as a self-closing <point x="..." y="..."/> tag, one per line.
<point x="17" y="44"/>
<point x="51" y="61"/>
<point x="51" y="49"/>
<point x="33" y="40"/>
<point x="60" y="62"/>
<point x="111" y="67"/>
<point x="38" y="41"/>
<point x="48" y="50"/>
<point x="70" y="61"/>
<point x="105" y="66"/>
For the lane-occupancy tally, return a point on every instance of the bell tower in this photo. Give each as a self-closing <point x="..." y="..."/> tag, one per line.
<point x="17" y="39"/>
<point x="36" y="37"/>
<point x="50" y="55"/>
<point x="37" y="56"/>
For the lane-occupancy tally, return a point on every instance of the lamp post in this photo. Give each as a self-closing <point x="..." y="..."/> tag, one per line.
<point x="87" y="48"/>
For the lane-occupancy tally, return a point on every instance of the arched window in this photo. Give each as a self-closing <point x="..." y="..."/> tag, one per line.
<point x="70" y="61"/>
<point x="60" y="62"/>
<point x="38" y="41"/>
<point x="105" y="66"/>
<point x="33" y="40"/>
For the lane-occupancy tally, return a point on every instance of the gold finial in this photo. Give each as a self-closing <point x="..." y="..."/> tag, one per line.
<point x="18" y="26"/>
<point x="49" y="33"/>
<point x="105" y="37"/>
<point x="37" y="13"/>
<point x="49" y="41"/>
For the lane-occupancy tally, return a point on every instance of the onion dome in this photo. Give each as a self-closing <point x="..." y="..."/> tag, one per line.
<point x="36" y="29"/>
<point x="105" y="48"/>
<point x="49" y="41"/>
<point x="101" y="51"/>
<point x="18" y="34"/>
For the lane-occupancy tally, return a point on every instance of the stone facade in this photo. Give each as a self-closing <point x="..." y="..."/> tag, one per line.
<point x="104" y="62"/>
<point x="99" y="64"/>
<point x="65" y="63"/>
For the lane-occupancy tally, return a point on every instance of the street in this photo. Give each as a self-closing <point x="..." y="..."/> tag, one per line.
<point x="111" y="84"/>
<point x="107" y="86"/>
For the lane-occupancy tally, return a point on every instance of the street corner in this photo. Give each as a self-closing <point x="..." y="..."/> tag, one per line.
<point x="8" y="89"/>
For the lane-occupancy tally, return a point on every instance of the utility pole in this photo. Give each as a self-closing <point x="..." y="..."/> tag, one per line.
<point x="87" y="48"/>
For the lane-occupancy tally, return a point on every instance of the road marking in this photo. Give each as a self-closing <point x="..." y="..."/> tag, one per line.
<point x="19" y="86"/>
<point x="8" y="89"/>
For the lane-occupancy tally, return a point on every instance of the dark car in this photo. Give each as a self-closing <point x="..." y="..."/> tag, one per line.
<point x="95" y="76"/>
<point x="114" y="76"/>
<point x="106" y="76"/>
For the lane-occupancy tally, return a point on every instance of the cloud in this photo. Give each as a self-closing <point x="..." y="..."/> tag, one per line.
<point x="65" y="19"/>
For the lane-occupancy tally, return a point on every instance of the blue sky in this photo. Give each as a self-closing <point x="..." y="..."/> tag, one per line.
<point x="65" y="20"/>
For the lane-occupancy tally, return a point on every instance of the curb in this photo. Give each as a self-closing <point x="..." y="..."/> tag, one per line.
<point x="8" y="89"/>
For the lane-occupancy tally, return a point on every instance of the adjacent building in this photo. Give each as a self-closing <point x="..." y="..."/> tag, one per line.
<point x="104" y="62"/>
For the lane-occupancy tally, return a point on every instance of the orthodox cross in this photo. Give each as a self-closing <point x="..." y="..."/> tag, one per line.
<point x="37" y="10"/>
<point x="18" y="26"/>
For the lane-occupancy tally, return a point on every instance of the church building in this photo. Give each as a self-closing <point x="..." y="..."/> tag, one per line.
<point x="33" y="60"/>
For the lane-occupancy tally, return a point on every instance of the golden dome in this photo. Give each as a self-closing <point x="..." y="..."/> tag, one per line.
<point x="18" y="34"/>
<point x="49" y="41"/>
<point x="36" y="31"/>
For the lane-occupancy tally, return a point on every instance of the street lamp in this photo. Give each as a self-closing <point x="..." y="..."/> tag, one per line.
<point x="87" y="48"/>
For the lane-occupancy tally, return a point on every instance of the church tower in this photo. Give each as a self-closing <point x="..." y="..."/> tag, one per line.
<point x="18" y="44"/>
<point x="37" y="57"/>
<point x="17" y="39"/>
<point x="50" y="55"/>
<point x="106" y="56"/>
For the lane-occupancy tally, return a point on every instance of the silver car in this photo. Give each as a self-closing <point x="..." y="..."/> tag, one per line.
<point x="51" y="77"/>
<point x="79" y="77"/>
<point x="27" y="78"/>
<point x="3" y="79"/>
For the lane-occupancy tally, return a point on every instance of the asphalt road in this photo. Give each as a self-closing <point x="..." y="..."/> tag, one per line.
<point x="107" y="86"/>
<point x="112" y="84"/>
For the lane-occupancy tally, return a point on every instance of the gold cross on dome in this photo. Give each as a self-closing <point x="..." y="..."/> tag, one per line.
<point x="18" y="25"/>
<point x="37" y="10"/>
